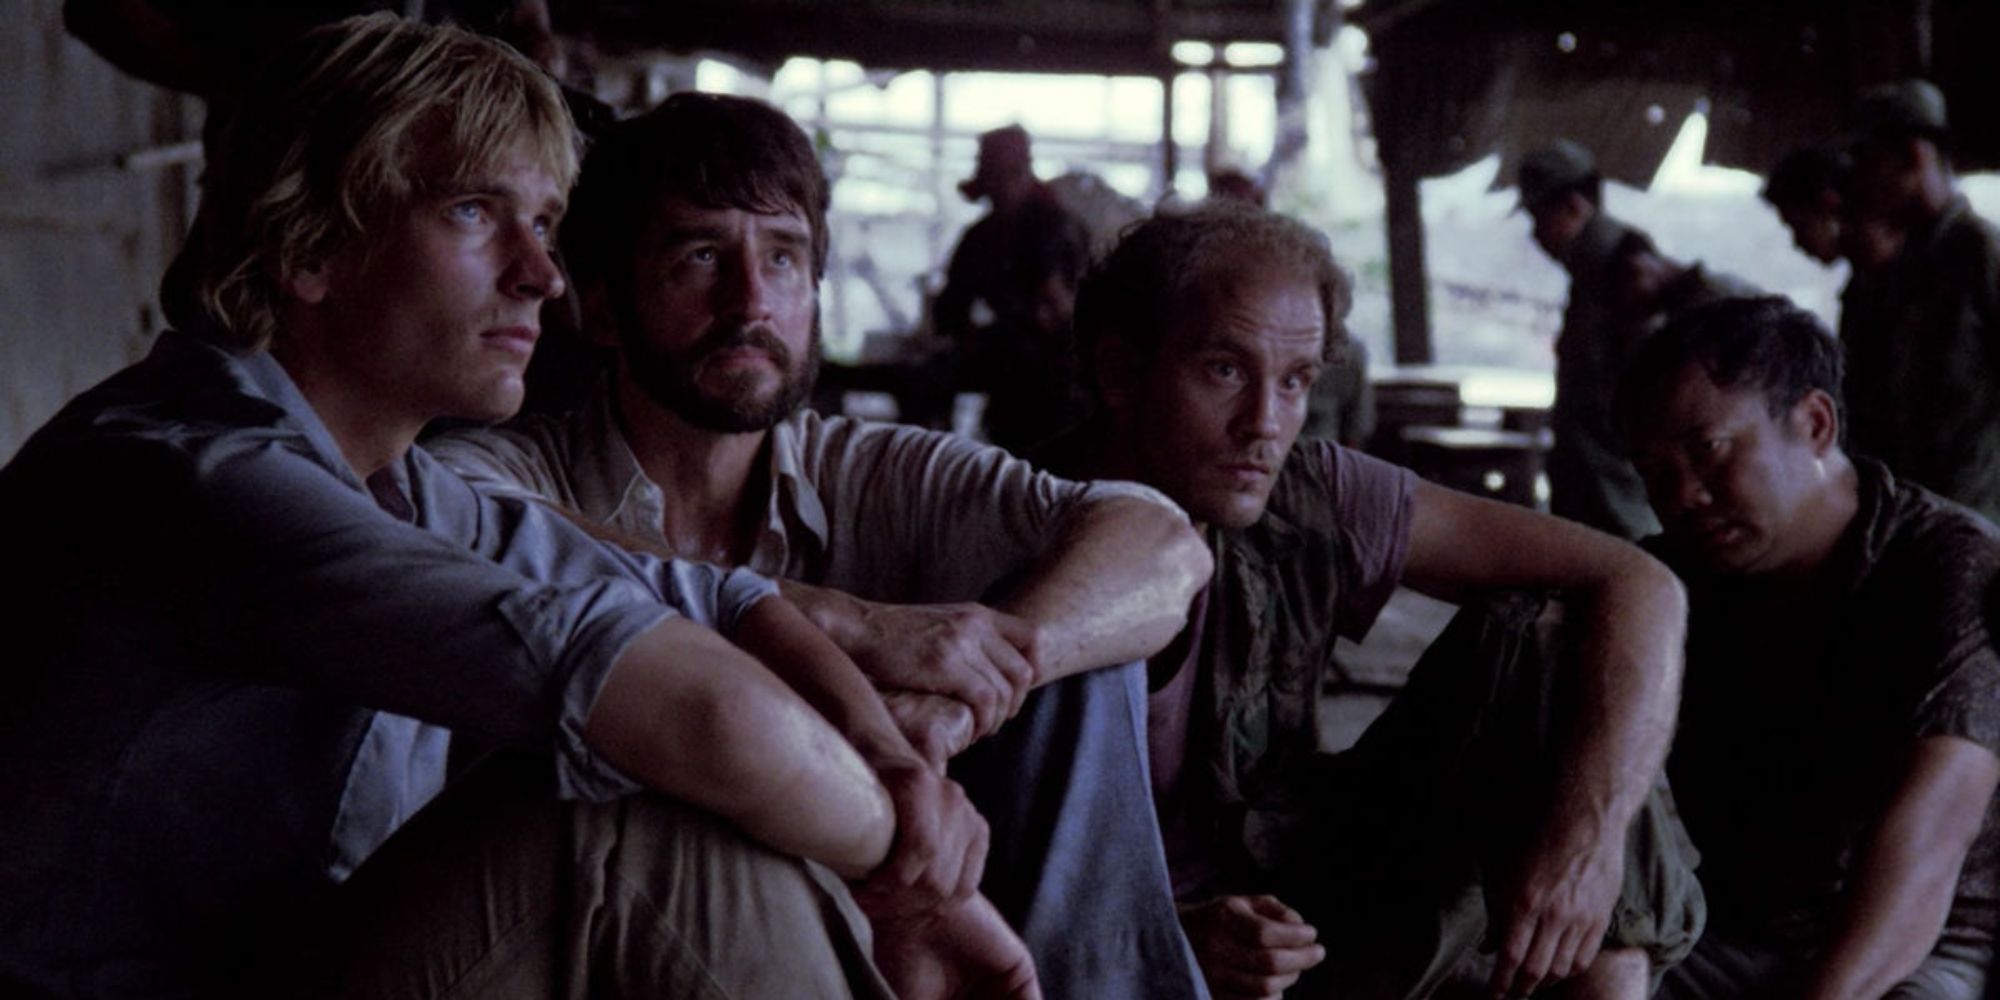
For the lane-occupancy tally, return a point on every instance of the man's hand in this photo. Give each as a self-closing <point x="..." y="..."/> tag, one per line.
<point x="937" y="726"/>
<point x="970" y="652"/>
<point x="1552" y="913"/>
<point x="960" y="951"/>
<point x="1250" y="947"/>
<point x="940" y="846"/>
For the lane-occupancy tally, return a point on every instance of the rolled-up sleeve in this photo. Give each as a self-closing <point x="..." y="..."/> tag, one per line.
<point x="488" y="615"/>
<point x="919" y="516"/>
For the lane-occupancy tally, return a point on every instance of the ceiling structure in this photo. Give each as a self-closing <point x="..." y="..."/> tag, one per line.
<point x="1070" y="36"/>
<point x="1459" y="79"/>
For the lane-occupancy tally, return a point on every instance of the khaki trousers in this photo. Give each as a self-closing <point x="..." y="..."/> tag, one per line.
<point x="498" y="890"/>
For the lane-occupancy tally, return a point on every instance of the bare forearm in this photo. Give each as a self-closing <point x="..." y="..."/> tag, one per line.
<point x="1884" y="934"/>
<point x="841" y="616"/>
<point x="695" y="718"/>
<point x="1907" y="877"/>
<point x="1117" y="588"/>
<point x="812" y="664"/>
<point x="1630" y="683"/>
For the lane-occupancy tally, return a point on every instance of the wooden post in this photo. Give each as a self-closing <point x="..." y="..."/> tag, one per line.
<point x="1409" y="278"/>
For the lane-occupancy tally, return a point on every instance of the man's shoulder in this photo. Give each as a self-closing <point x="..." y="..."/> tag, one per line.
<point x="186" y="396"/>
<point x="540" y="437"/>
<point x="1965" y="244"/>
<point x="822" y="447"/>
<point x="1924" y="552"/>
<point x="1916" y="522"/>
<point x="1322" y="486"/>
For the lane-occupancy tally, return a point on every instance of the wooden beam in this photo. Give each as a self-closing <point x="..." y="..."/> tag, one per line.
<point x="1409" y="277"/>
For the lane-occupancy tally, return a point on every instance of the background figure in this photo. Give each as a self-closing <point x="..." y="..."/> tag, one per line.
<point x="1342" y="405"/>
<point x="1234" y="185"/>
<point x="1805" y="189"/>
<point x="1649" y="288"/>
<point x="1008" y="294"/>
<point x="1589" y="478"/>
<point x="1923" y="375"/>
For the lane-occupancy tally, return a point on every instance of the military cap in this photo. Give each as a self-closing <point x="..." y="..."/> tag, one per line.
<point x="1556" y="167"/>
<point x="1003" y="153"/>
<point x="1905" y="107"/>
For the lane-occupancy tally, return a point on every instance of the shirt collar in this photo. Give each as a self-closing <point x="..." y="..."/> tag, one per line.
<point x="261" y="376"/>
<point x="792" y="491"/>
<point x="607" y="476"/>
<point x="604" y="471"/>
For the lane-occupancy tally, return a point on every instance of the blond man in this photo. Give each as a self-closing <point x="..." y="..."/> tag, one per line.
<point x="261" y="614"/>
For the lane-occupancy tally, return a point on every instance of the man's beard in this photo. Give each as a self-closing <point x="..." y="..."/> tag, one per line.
<point x="673" y="379"/>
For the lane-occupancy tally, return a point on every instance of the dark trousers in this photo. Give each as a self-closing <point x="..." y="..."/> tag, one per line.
<point x="1407" y="828"/>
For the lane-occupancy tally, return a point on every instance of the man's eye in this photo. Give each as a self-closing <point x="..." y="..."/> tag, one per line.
<point x="467" y="211"/>
<point x="702" y="255"/>
<point x="783" y="258"/>
<point x="1224" y="369"/>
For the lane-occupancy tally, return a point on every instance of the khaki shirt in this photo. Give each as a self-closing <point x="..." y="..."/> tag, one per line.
<point x="884" y="511"/>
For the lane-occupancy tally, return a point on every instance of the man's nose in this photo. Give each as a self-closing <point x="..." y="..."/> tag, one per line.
<point x="745" y="288"/>
<point x="535" y="273"/>
<point x="1262" y="412"/>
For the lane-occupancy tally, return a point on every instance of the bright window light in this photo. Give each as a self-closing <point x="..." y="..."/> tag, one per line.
<point x="1253" y="54"/>
<point x="1194" y="53"/>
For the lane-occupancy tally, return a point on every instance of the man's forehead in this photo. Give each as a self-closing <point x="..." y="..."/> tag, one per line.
<point x="1232" y="308"/>
<point x="1690" y="401"/>
<point x="673" y="210"/>
<point x="516" y="168"/>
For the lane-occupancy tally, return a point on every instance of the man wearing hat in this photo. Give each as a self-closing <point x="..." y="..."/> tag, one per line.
<point x="1022" y="261"/>
<point x="1590" y="479"/>
<point x="1923" y="383"/>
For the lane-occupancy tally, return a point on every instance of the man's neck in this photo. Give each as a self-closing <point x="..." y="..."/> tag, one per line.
<point x="1823" y="523"/>
<point x="370" y="435"/>
<point x="711" y="490"/>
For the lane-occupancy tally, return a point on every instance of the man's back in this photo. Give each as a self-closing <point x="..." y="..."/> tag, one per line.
<point x="1590" y="479"/>
<point x="1923" y="386"/>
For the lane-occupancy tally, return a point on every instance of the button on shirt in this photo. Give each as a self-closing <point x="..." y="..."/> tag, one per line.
<point x="211" y="713"/>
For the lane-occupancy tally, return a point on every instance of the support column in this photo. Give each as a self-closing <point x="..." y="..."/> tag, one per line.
<point x="1409" y="278"/>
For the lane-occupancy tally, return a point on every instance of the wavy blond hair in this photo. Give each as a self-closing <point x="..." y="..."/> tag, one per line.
<point x="344" y="126"/>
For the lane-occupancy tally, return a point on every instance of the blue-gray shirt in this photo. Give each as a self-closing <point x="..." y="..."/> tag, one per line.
<point x="222" y="643"/>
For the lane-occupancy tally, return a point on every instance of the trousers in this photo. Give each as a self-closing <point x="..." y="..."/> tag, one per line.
<point x="499" y="890"/>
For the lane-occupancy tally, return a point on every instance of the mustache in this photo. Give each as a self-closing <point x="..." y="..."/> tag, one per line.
<point x="726" y="338"/>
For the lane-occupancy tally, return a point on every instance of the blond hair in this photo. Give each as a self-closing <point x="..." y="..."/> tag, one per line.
<point x="349" y="123"/>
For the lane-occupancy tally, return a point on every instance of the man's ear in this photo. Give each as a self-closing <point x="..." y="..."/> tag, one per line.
<point x="1816" y="419"/>
<point x="309" y="283"/>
